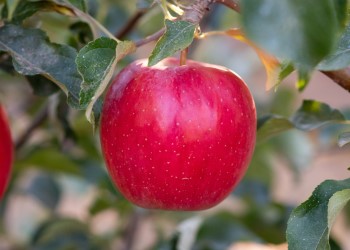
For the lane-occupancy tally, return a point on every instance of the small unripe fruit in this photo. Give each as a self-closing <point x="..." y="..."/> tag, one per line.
<point x="177" y="137"/>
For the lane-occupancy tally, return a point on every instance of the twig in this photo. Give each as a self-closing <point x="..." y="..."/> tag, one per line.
<point x="131" y="229"/>
<point x="40" y="117"/>
<point x="341" y="77"/>
<point x="153" y="37"/>
<point x="232" y="4"/>
<point x="130" y="24"/>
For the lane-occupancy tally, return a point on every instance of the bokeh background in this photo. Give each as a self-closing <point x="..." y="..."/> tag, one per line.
<point x="60" y="196"/>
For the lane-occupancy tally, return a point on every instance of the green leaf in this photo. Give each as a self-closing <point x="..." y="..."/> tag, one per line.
<point x="340" y="58"/>
<point x="286" y="68"/>
<point x="271" y="125"/>
<point x="49" y="160"/>
<point x="310" y="223"/>
<point x="46" y="189"/>
<point x="26" y="9"/>
<point x="96" y="63"/>
<point x="178" y="36"/>
<point x="311" y="115"/>
<point x="58" y="234"/>
<point x="220" y="231"/>
<point x="303" y="79"/>
<point x="299" y="31"/>
<point x="314" y="114"/>
<point x="34" y="54"/>
<point x="344" y="139"/>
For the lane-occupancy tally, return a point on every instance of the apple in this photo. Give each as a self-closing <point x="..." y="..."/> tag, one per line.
<point x="6" y="151"/>
<point x="177" y="137"/>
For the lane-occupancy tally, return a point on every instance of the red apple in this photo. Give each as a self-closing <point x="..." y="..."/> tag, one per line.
<point x="177" y="137"/>
<point x="6" y="151"/>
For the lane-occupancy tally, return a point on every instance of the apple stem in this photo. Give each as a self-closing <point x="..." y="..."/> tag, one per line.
<point x="183" y="56"/>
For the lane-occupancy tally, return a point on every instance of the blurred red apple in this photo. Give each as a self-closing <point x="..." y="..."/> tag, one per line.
<point x="6" y="151"/>
<point x="177" y="137"/>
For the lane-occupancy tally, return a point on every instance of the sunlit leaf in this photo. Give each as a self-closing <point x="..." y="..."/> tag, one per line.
<point x="96" y="63"/>
<point x="178" y="36"/>
<point x="303" y="79"/>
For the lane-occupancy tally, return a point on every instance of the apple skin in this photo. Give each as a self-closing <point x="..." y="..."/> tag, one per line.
<point x="177" y="137"/>
<point x="6" y="151"/>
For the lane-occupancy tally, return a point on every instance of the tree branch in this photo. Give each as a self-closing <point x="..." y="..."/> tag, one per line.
<point x="36" y="122"/>
<point x="341" y="77"/>
<point x="151" y="38"/>
<point x="130" y="24"/>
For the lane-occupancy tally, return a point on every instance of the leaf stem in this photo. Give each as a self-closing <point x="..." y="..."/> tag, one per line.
<point x="130" y="23"/>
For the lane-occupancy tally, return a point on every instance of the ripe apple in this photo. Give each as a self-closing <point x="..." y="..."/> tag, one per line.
<point x="177" y="137"/>
<point x="6" y="151"/>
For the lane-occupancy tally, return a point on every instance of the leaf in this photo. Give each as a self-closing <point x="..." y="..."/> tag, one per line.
<point x="46" y="190"/>
<point x="63" y="233"/>
<point x="271" y="64"/>
<point x="303" y="79"/>
<point x="220" y="231"/>
<point x="26" y="9"/>
<point x="340" y="58"/>
<point x="34" y="54"/>
<point x="344" y="139"/>
<point x="310" y="223"/>
<point x="178" y="36"/>
<point x="311" y="115"/>
<point x="50" y="160"/>
<point x="96" y="63"/>
<point x="272" y="125"/>
<point x="11" y="5"/>
<point x="299" y="31"/>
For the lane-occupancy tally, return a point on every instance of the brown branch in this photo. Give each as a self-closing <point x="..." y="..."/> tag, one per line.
<point x="195" y="12"/>
<point x="151" y="38"/>
<point x="130" y="24"/>
<point x="232" y="4"/>
<point x="341" y="77"/>
<point x="40" y="118"/>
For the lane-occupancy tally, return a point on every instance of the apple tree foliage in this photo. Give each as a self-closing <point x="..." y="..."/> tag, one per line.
<point x="68" y="51"/>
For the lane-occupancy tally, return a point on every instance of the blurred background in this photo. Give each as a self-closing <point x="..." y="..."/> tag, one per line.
<point x="60" y="196"/>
